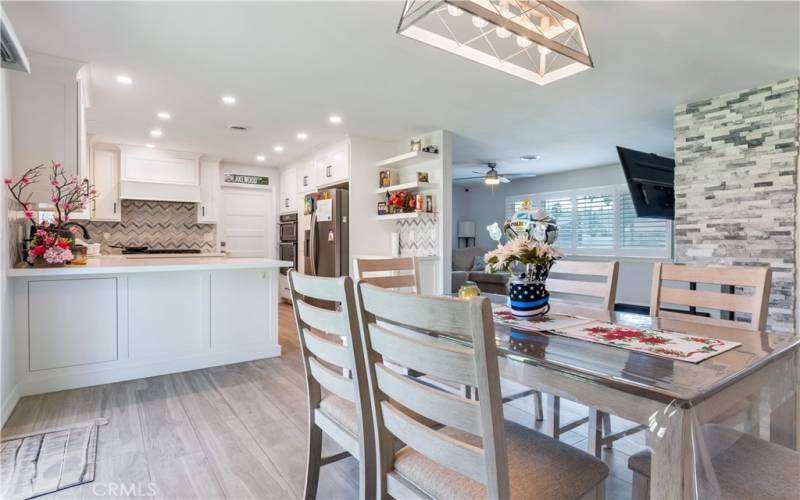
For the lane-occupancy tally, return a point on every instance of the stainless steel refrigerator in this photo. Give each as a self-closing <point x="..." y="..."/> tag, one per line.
<point x="327" y="250"/>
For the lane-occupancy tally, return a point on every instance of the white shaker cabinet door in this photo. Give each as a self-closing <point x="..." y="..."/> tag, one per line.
<point x="306" y="177"/>
<point x="288" y="185"/>
<point x="105" y="170"/>
<point x="210" y="194"/>
<point x="72" y="322"/>
<point x="333" y="165"/>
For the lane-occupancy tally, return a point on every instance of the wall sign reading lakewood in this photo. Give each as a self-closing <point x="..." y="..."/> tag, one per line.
<point x="251" y="180"/>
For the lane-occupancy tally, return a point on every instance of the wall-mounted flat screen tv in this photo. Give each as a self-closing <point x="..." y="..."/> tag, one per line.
<point x="651" y="183"/>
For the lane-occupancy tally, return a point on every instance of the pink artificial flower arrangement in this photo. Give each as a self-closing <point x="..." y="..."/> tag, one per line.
<point x="68" y="195"/>
<point x="50" y="246"/>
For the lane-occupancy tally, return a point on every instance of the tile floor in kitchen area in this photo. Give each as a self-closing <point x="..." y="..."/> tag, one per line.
<point x="235" y="431"/>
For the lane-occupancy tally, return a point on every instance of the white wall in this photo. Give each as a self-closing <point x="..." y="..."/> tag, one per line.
<point x="8" y="391"/>
<point x="485" y="206"/>
<point x="369" y="237"/>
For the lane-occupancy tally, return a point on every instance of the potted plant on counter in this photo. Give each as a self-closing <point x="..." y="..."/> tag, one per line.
<point x="52" y="244"/>
<point x="528" y="256"/>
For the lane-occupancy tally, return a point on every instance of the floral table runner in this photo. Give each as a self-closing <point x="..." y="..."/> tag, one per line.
<point x="665" y="344"/>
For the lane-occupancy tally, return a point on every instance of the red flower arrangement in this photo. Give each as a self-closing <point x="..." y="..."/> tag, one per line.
<point x="401" y="201"/>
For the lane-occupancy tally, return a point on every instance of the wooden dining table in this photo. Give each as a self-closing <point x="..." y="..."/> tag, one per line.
<point x="670" y="398"/>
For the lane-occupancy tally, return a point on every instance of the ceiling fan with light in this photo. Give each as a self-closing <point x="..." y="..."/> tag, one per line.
<point x="492" y="177"/>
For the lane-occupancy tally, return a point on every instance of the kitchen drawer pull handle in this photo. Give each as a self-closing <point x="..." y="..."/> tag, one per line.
<point x="115" y="207"/>
<point x="204" y="211"/>
<point x="328" y="170"/>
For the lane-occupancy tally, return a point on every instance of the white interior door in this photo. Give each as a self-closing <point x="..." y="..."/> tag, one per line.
<point x="248" y="222"/>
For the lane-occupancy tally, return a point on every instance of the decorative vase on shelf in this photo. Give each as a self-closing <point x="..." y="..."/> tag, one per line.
<point x="527" y="295"/>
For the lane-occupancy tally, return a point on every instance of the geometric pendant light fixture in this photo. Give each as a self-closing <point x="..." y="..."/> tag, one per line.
<point x="539" y="41"/>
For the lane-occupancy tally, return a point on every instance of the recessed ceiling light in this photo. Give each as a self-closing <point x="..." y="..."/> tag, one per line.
<point x="529" y="157"/>
<point x="124" y="80"/>
<point x="261" y="158"/>
<point x="156" y="132"/>
<point x="302" y="136"/>
<point x="335" y="119"/>
<point x="163" y="115"/>
<point x="229" y="99"/>
<point x="150" y="145"/>
<point x="278" y="149"/>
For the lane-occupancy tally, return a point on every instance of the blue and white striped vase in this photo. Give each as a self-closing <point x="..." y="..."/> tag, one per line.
<point x="529" y="298"/>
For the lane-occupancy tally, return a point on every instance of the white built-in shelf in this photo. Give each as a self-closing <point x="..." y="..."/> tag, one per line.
<point x="405" y="186"/>
<point x="406" y="215"/>
<point x="406" y="159"/>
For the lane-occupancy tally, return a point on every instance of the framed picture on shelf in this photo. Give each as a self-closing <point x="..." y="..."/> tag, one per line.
<point x="422" y="176"/>
<point x="382" y="208"/>
<point x="387" y="178"/>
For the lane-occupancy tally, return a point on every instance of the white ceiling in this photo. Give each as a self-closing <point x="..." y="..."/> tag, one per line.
<point x="291" y="65"/>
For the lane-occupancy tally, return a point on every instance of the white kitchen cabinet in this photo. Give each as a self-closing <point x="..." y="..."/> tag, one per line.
<point x="238" y="302"/>
<point x="48" y="118"/>
<point x="306" y="177"/>
<point x="332" y="165"/>
<point x="70" y="333"/>
<point x="288" y="185"/>
<point x="105" y="174"/>
<point x="210" y="191"/>
<point x="284" y="290"/>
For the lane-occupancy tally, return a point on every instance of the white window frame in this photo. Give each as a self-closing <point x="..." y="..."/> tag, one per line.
<point x="616" y="191"/>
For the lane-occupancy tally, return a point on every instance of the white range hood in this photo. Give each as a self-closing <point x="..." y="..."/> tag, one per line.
<point x="159" y="175"/>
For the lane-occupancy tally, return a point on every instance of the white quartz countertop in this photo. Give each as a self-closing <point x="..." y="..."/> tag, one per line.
<point x="118" y="264"/>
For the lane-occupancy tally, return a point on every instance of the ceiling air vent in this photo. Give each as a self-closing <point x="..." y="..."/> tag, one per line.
<point x="11" y="49"/>
<point x="240" y="128"/>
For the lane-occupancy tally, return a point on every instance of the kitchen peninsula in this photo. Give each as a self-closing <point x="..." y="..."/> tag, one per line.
<point x="121" y="318"/>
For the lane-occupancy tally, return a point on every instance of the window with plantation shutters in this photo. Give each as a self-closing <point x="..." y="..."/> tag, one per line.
<point x="640" y="232"/>
<point x="601" y="221"/>
<point x="594" y="220"/>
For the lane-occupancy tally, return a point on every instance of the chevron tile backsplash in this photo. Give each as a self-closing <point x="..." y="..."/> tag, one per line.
<point x="156" y="224"/>
<point x="418" y="237"/>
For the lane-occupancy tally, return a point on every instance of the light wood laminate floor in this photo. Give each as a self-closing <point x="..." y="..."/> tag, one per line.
<point x="235" y="431"/>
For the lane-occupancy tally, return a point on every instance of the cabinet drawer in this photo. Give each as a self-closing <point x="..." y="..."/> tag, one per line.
<point x="72" y="322"/>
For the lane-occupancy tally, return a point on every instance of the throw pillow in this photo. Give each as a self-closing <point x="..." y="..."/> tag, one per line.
<point x="478" y="264"/>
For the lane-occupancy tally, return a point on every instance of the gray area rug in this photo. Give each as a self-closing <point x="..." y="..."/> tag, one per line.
<point x="47" y="461"/>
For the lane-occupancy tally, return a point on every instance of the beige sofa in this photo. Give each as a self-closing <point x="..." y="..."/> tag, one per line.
<point x="463" y="259"/>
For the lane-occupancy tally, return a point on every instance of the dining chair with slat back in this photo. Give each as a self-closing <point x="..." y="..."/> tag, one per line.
<point x="697" y="306"/>
<point x="342" y="411"/>
<point x="728" y="303"/>
<point x="474" y="453"/>
<point x="394" y="273"/>
<point x="592" y="285"/>
<point x="403" y="273"/>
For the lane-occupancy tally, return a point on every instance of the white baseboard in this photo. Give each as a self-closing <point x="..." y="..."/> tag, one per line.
<point x="9" y="403"/>
<point x="42" y="383"/>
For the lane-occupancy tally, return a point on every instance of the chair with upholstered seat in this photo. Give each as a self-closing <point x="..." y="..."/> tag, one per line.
<point x="342" y="410"/>
<point x="744" y="466"/>
<point x="475" y="454"/>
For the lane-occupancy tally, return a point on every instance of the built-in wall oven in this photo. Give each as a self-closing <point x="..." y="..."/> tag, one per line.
<point x="287" y="234"/>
